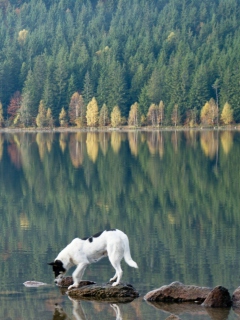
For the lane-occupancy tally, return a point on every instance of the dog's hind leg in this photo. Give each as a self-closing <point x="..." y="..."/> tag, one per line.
<point x="113" y="278"/>
<point x="115" y="255"/>
<point x="118" y="275"/>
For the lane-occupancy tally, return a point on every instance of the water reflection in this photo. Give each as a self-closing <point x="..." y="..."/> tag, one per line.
<point x="176" y="195"/>
<point x="192" y="309"/>
<point x="80" y="314"/>
<point x="92" y="142"/>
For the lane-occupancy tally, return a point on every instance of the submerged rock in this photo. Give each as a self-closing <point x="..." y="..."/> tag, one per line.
<point x="219" y="297"/>
<point x="34" y="284"/>
<point x="173" y="317"/>
<point x="106" y="292"/>
<point x="178" y="292"/>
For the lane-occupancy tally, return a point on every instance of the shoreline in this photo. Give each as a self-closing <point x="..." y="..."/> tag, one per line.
<point x="119" y="129"/>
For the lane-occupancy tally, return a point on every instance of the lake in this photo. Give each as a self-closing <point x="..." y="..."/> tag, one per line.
<point x="175" y="194"/>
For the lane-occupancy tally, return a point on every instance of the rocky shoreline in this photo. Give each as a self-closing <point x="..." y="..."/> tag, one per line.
<point x="175" y="298"/>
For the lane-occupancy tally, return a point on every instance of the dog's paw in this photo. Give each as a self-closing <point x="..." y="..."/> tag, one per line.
<point x="73" y="286"/>
<point x="115" y="284"/>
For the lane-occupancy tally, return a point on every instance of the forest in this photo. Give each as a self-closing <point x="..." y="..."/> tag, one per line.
<point x="136" y="62"/>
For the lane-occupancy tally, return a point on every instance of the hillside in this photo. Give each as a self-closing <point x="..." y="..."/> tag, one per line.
<point x="183" y="52"/>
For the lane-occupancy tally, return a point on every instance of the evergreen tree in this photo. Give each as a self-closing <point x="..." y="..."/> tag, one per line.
<point x="87" y="88"/>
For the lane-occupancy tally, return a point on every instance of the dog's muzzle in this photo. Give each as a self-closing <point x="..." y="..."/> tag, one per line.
<point x="58" y="279"/>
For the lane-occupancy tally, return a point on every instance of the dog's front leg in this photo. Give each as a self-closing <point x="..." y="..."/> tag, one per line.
<point x="77" y="275"/>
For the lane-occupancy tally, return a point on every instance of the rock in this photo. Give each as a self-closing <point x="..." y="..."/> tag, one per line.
<point x="68" y="281"/>
<point x="106" y="292"/>
<point x="34" y="284"/>
<point x="173" y="317"/>
<point x="236" y="298"/>
<point x="219" y="297"/>
<point x="178" y="292"/>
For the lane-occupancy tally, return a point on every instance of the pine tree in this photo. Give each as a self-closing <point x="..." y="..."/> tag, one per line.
<point x="92" y="113"/>
<point x="87" y="88"/>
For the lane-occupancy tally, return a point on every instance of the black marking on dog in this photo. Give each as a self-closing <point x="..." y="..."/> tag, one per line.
<point x="96" y="235"/>
<point x="57" y="266"/>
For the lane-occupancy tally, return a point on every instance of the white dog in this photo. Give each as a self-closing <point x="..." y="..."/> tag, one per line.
<point x="82" y="252"/>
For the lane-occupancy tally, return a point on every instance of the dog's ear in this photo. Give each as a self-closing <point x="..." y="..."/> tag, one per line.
<point x="51" y="263"/>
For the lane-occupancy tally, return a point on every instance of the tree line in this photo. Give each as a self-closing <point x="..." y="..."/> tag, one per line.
<point x="145" y="62"/>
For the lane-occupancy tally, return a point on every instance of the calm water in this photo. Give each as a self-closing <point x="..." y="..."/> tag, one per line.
<point x="176" y="195"/>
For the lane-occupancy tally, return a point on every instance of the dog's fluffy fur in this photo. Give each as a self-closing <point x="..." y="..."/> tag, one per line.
<point x="82" y="252"/>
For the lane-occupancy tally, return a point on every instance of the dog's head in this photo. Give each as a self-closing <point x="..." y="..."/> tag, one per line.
<point x="58" y="269"/>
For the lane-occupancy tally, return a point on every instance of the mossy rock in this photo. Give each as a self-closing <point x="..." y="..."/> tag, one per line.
<point x="106" y="292"/>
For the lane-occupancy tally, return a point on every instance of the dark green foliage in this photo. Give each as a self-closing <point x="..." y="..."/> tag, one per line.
<point x="121" y="52"/>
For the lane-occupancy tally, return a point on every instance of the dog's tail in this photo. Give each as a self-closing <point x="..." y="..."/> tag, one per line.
<point x="127" y="255"/>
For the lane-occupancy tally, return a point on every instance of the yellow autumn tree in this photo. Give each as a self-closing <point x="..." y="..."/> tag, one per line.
<point x="152" y="115"/>
<point x="41" y="116"/>
<point x="1" y="115"/>
<point x="227" y="114"/>
<point x="49" y="118"/>
<point x="115" y="117"/>
<point x="160" y="113"/>
<point x="63" y="118"/>
<point x="209" y="113"/>
<point x="175" y="115"/>
<point x="77" y="110"/>
<point x="134" y="118"/>
<point x="22" y="36"/>
<point x="103" y="116"/>
<point x="92" y="113"/>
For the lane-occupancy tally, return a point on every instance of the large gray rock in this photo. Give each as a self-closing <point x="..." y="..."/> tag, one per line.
<point x="178" y="292"/>
<point x="219" y="297"/>
<point x="106" y="292"/>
